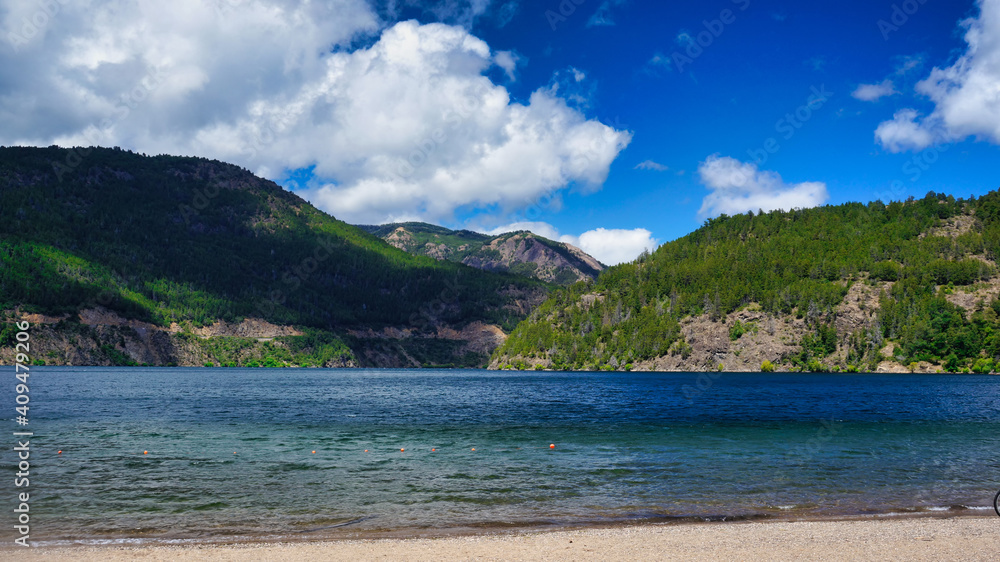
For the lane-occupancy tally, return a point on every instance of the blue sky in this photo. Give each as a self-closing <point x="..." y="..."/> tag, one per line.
<point x="729" y="99"/>
<point x="613" y="125"/>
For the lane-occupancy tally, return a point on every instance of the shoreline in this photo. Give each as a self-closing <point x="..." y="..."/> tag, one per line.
<point x="346" y="532"/>
<point x="909" y="537"/>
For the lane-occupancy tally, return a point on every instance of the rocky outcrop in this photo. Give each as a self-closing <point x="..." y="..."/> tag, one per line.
<point x="707" y="342"/>
<point x="521" y="253"/>
<point x="505" y="253"/>
<point x="99" y="337"/>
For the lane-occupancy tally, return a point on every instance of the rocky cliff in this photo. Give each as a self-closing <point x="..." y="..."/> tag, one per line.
<point x="522" y="253"/>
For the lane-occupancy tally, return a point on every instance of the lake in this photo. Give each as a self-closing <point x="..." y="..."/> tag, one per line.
<point x="164" y="454"/>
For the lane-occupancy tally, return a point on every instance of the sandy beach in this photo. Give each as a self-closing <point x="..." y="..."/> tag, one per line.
<point x="965" y="538"/>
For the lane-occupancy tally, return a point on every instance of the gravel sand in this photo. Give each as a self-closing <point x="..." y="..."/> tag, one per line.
<point x="963" y="538"/>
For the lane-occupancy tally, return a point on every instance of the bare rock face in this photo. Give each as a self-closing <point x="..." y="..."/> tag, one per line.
<point x="525" y="248"/>
<point x="521" y="253"/>
<point x="400" y="238"/>
<point x="100" y="337"/>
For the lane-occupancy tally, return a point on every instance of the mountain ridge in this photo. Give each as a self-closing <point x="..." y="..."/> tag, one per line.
<point x="521" y="252"/>
<point x="855" y="287"/>
<point x="192" y="242"/>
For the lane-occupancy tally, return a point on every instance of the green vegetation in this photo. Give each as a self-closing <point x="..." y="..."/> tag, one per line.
<point x="168" y="239"/>
<point x="799" y="264"/>
<point x="419" y="234"/>
<point x="479" y="250"/>
<point x="739" y="328"/>
<point x="316" y="349"/>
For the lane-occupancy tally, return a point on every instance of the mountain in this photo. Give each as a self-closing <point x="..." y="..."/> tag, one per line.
<point x="122" y="258"/>
<point x="905" y="286"/>
<point x="522" y="253"/>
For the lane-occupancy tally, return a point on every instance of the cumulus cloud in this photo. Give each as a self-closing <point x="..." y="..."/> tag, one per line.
<point x="651" y="165"/>
<point x="966" y="95"/>
<point x="737" y="187"/>
<point x="407" y="125"/>
<point x="904" y="132"/>
<point x="150" y="75"/>
<point x="874" y="92"/>
<point x="609" y="246"/>
<point x="507" y="60"/>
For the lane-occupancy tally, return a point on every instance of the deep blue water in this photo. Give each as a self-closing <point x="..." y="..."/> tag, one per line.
<point x="628" y="446"/>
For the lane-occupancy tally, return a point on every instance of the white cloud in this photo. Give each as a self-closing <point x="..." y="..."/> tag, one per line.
<point x="407" y="126"/>
<point x="507" y="60"/>
<point x="737" y="187"/>
<point x="650" y="165"/>
<point x="873" y="92"/>
<point x="572" y="85"/>
<point x="904" y="132"/>
<point x="966" y="94"/>
<point x="609" y="246"/>
<point x="543" y="229"/>
<point x="455" y="12"/>
<point x="614" y="246"/>
<point x="908" y="63"/>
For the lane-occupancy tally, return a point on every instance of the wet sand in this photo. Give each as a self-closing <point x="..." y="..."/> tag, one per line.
<point x="959" y="538"/>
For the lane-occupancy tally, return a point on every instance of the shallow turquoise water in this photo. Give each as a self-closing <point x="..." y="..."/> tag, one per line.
<point x="629" y="446"/>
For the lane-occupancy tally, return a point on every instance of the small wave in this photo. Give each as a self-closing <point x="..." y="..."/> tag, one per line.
<point x="210" y="506"/>
<point x="344" y="524"/>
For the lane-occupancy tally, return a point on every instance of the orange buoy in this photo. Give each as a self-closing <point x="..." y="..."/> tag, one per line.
<point x="60" y="452"/>
<point x="314" y="452"/>
<point x="552" y="446"/>
<point x="145" y="452"/>
<point x="366" y="450"/>
<point x="473" y="448"/>
<point x="401" y="450"/>
<point x="432" y="450"/>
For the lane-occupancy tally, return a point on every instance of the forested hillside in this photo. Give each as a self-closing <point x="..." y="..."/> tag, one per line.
<point x="183" y="243"/>
<point x="847" y="287"/>
<point x="523" y="253"/>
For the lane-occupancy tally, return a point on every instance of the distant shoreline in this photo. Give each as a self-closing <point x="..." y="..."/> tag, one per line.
<point x="924" y="537"/>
